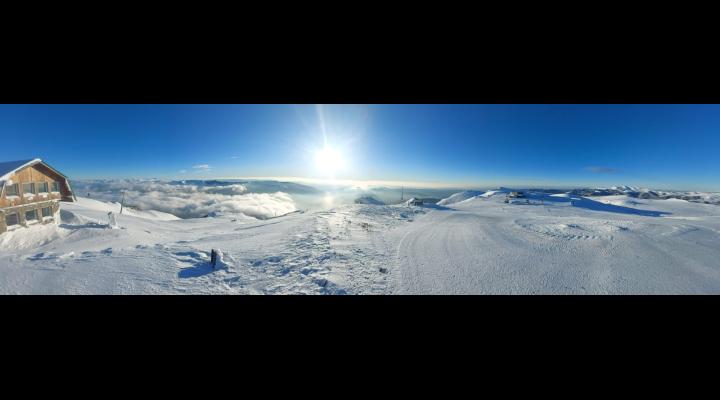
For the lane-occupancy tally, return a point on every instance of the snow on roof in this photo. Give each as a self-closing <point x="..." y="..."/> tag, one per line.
<point x="7" y="168"/>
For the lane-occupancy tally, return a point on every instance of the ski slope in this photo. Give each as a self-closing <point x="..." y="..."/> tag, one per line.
<point x="562" y="246"/>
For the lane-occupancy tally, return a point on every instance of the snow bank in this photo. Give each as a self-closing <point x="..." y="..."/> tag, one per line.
<point x="30" y="237"/>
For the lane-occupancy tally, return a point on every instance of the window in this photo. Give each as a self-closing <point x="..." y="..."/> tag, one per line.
<point x="42" y="187"/>
<point x="11" y="219"/>
<point x="46" y="212"/>
<point x="11" y="190"/>
<point x="55" y="187"/>
<point x="29" y="188"/>
<point x="30" y="215"/>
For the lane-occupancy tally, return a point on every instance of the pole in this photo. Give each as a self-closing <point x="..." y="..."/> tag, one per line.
<point x="122" y="201"/>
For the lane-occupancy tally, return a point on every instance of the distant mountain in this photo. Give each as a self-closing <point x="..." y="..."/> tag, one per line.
<point x="632" y="191"/>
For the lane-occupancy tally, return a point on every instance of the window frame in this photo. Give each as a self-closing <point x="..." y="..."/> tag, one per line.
<point x="34" y="192"/>
<point x="55" y="187"/>
<point x="17" y="218"/>
<point x="15" y="186"/>
<point x="39" y="185"/>
<point x="50" y="213"/>
<point x="34" y="210"/>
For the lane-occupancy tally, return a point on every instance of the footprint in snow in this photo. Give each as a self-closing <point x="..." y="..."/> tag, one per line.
<point x="42" y="256"/>
<point x="50" y="256"/>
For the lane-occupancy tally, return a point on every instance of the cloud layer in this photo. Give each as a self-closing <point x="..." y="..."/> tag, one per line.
<point x="188" y="200"/>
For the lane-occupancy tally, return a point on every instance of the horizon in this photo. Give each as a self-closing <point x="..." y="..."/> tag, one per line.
<point x="662" y="147"/>
<point x="368" y="185"/>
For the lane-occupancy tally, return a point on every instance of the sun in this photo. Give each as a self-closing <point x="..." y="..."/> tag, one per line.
<point x="329" y="161"/>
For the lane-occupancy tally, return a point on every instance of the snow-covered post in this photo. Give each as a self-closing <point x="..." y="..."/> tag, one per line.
<point x="111" y="220"/>
<point x="216" y="259"/>
<point x="122" y="201"/>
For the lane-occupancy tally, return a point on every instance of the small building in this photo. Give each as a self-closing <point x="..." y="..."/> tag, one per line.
<point x="416" y="201"/>
<point x="514" y="195"/>
<point x="30" y="193"/>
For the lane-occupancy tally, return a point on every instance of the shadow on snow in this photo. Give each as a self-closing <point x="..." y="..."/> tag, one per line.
<point x="201" y="266"/>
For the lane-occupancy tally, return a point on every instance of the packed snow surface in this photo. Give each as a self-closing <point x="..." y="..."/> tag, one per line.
<point x="544" y="244"/>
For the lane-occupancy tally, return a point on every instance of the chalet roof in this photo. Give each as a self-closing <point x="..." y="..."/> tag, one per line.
<point x="8" y="168"/>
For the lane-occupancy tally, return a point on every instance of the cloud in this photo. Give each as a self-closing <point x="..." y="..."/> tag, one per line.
<point x="602" y="170"/>
<point x="182" y="171"/>
<point x="203" y="167"/>
<point x="189" y="200"/>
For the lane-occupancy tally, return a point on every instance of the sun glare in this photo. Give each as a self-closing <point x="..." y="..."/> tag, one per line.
<point x="329" y="161"/>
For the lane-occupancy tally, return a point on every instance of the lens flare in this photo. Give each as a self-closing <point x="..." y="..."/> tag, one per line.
<point x="329" y="161"/>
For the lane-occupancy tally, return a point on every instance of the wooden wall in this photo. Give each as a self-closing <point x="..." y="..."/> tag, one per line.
<point x="36" y="173"/>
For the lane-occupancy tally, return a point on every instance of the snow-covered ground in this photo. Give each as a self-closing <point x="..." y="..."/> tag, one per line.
<point x="562" y="244"/>
<point x="478" y="244"/>
<point x="323" y="252"/>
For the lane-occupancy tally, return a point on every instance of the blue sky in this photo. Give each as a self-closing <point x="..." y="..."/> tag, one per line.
<point x="658" y="146"/>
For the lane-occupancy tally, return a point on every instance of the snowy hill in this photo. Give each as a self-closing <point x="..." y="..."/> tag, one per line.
<point x="468" y="195"/>
<point x="643" y="193"/>
<point x="342" y="251"/>
<point x="461" y="196"/>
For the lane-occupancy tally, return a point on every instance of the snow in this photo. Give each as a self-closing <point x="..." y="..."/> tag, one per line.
<point x="458" y="197"/>
<point x="562" y="246"/>
<point x="473" y="244"/>
<point x="468" y="195"/>
<point x="338" y="251"/>
<point x="8" y="168"/>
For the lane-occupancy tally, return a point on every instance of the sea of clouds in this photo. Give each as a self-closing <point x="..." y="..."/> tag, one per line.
<point x="188" y="200"/>
<point x="259" y="199"/>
